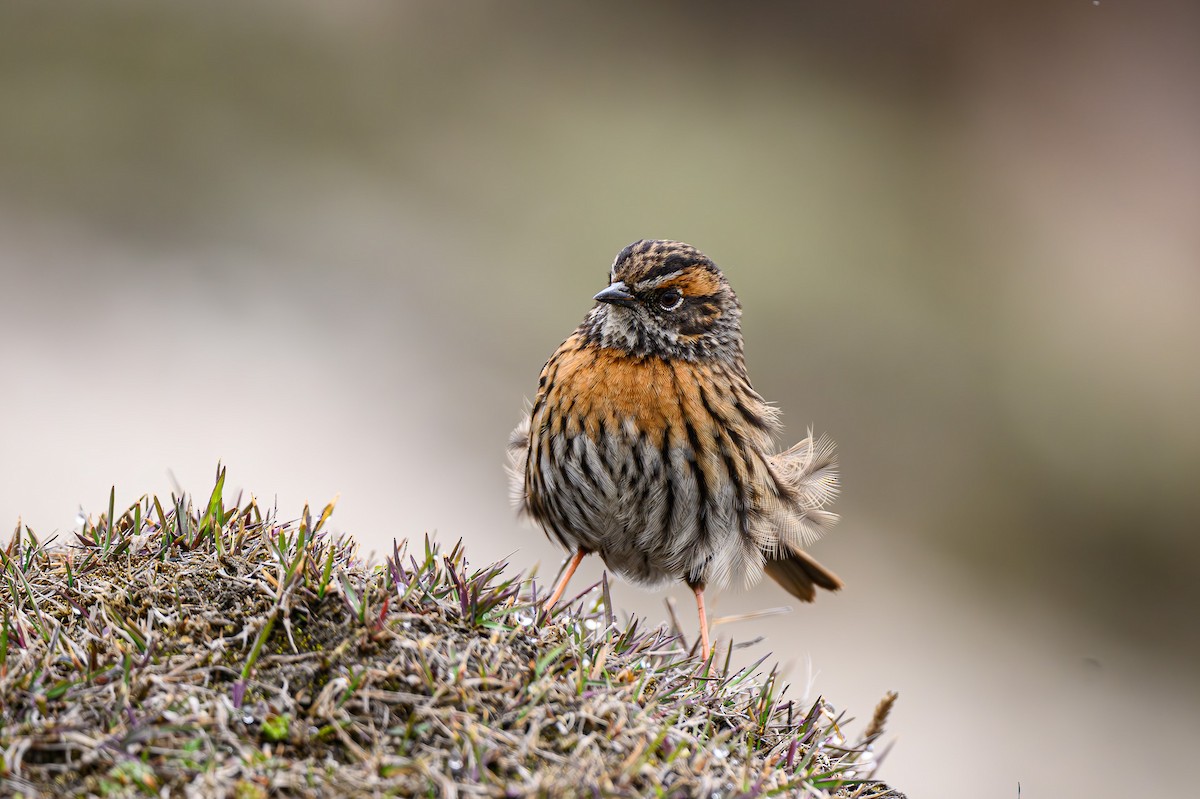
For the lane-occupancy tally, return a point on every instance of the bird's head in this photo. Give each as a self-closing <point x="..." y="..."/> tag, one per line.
<point x="667" y="299"/>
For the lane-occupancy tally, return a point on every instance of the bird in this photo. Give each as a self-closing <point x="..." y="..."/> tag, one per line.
<point x="646" y="443"/>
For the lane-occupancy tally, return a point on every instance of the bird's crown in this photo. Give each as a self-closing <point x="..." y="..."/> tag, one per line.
<point x="647" y="262"/>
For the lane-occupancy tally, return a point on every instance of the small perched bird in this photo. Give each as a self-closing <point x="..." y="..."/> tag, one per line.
<point x="647" y="445"/>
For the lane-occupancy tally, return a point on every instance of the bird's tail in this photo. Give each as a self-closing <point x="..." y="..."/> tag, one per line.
<point x="801" y="575"/>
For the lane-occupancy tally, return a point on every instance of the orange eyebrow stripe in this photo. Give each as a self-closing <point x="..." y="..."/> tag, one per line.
<point x="697" y="283"/>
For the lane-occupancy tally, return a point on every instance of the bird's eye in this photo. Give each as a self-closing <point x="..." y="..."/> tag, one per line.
<point x="670" y="299"/>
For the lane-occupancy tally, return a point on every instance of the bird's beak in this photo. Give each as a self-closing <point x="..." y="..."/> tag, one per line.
<point x="616" y="294"/>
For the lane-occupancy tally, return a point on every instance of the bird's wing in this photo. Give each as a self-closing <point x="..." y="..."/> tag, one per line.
<point x="518" y="453"/>
<point x="796" y="513"/>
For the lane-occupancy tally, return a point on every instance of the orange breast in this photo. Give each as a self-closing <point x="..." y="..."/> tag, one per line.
<point x="592" y="389"/>
<point x="591" y="386"/>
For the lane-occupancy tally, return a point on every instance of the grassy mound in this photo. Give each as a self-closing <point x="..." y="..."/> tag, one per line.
<point x="218" y="651"/>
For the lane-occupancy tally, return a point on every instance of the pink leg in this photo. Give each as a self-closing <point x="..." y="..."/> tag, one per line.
<point x="561" y="585"/>
<point x="705" y="647"/>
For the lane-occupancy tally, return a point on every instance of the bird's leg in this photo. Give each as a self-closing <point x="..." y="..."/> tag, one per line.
<point x="698" y="590"/>
<point x="561" y="585"/>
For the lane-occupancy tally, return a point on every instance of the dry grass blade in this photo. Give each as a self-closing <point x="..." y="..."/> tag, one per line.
<point x="879" y="718"/>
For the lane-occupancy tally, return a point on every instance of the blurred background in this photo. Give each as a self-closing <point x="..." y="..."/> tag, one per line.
<point x="331" y="245"/>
